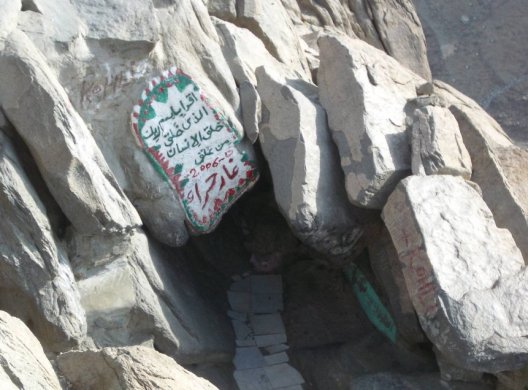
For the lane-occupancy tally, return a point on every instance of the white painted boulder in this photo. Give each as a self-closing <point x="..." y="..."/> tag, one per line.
<point x="365" y="92"/>
<point x="307" y="181"/>
<point x="465" y="276"/>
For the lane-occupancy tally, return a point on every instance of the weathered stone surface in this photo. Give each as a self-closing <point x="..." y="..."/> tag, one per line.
<point x="106" y="72"/>
<point x="9" y="17"/>
<point x="392" y="26"/>
<point x="394" y="380"/>
<point x="134" y="368"/>
<point x="245" y="52"/>
<point x="66" y="154"/>
<point x="364" y="92"/>
<point x="270" y="21"/>
<point x="223" y="9"/>
<point x="23" y="364"/>
<point x="401" y="33"/>
<point x="465" y="276"/>
<point x="251" y="110"/>
<point x="456" y="30"/>
<point x="498" y="165"/>
<point x="36" y="282"/>
<point x="437" y="146"/>
<point x="387" y="269"/>
<point x="307" y="181"/>
<point x="335" y="366"/>
<point x="131" y="296"/>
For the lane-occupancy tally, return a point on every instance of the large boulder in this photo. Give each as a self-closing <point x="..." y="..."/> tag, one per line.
<point x="437" y="146"/>
<point x="388" y="271"/>
<point x="134" y="292"/>
<point x="391" y="26"/>
<point x="244" y="53"/>
<point x="9" y="17"/>
<point x="66" y="154"/>
<point x="36" y="282"/>
<point x="365" y="93"/>
<point x="131" y="368"/>
<point x="108" y="63"/>
<point x="23" y="364"/>
<point x="498" y="165"/>
<point x="270" y="21"/>
<point x="307" y="181"/>
<point x="465" y="276"/>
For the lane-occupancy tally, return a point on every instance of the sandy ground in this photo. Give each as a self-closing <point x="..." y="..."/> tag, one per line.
<point x="481" y="48"/>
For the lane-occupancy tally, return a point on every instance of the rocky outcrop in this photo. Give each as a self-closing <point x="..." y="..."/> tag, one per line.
<point x="269" y="21"/>
<point x="388" y="271"/>
<point x="66" y="153"/>
<point x="307" y="181"/>
<point x="496" y="164"/>
<point x="365" y="92"/>
<point x="36" y="282"/>
<point x="437" y="146"/>
<point x="126" y="283"/>
<point x="23" y="364"/>
<point x="131" y="368"/>
<point x="465" y="276"/>
<point x="392" y="26"/>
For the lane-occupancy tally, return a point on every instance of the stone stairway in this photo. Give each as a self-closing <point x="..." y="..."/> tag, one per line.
<point x="261" y="359"/>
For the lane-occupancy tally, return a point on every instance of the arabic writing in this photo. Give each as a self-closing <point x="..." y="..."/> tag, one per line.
<point x="195" y="147"/>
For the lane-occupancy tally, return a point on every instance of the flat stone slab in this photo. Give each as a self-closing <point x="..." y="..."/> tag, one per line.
<point x="276" y="358"/>
<point x="267" y="324"/>
<point x="266" y="284"/>
<point x="235" y="315"/>
<point x="242" y="285"/>
<point x="252" y="379"/>
<point x="239" y="301"/>
<point x="283" y="375"/>
<point x="276" y="348"/>
<point x="266" y="303"/>
<point x="249" y="357"/>
<point x="272" y="339"/>
<point x="243" y="333"/>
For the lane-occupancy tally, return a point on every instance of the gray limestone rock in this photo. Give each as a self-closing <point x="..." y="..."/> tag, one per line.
<point x="307" y="181"/>
<point x="364" y="92"/>
<point x="401" y="34"/>
<point x="23" y="364"/>
<point x="391" y="26"/>
<point x="133" y="368"/>
<point x="133" y="296"/>
<point x="9" y="16"/>
<point x="386" y="266"/>
<point x="251" y="110"/>
<point x="65" y="152"/>
<point x="498" y="165"/>
<point x="394" y="380"/>
<point x="104" y="63"/>
<point x="437" y="146"/>
<point x="465" y="276"/>
<point x="223" y="9"/>
<point x="36" y="282"/>
<point x="270" y="21"/>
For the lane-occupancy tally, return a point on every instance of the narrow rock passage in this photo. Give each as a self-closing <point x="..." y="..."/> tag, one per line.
<point x="261" y="360"/>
